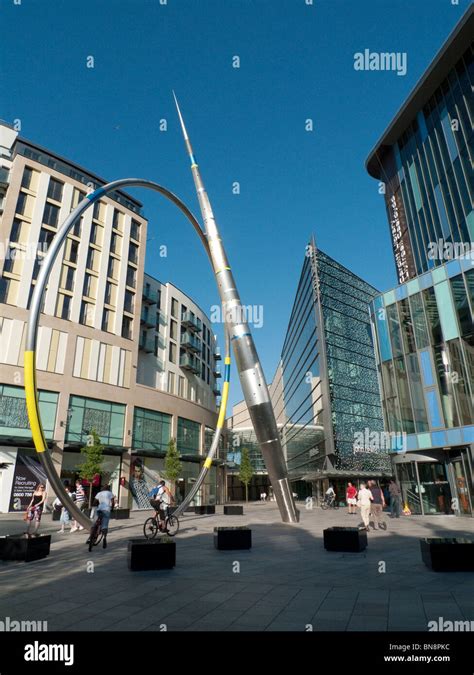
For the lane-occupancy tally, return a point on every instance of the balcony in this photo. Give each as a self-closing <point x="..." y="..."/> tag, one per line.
<point x="191" y="322"/>
<point x="147" y="344"/>
<point x="216" y="391"/>
<point x="217" y="355"/>
<point x="150" y="297"/>
<point x="148" y="319"/>
<point x="191" y="342"/>
<point x="188" y="362"/>
<point x="216" y="373"/>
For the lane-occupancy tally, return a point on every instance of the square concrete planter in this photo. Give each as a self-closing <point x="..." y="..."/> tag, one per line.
<point x="120" y="514"/>
<point x="232" y="538"/>
<point x="345" y="539"/>
<point x="448" y="555"/>
<point x="19" y="547"/>
<point x="157" y="554"/>
<point x="233" y="510"/>
<point x="205" y="510"/>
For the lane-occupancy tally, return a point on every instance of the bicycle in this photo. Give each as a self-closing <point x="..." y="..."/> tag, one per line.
<point x="153" y="525"/>
<point x="96" y="534"/>
<point x="332" y="504"/>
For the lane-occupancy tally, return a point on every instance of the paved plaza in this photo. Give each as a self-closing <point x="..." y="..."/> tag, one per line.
<point x="286" y="582"/>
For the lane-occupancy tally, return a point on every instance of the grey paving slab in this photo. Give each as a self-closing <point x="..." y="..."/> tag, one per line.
<point x="286" y="581"/>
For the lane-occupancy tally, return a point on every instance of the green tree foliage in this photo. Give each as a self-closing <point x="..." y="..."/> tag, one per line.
<point x="173" y="466"/>
<point x="246" y="471"/>
<point x="93" y="451"/>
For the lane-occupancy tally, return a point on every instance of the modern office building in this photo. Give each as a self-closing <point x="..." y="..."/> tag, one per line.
<point x="424" y="328"/>
<point x="130" y="357"/>
<point x="325" y="391"/>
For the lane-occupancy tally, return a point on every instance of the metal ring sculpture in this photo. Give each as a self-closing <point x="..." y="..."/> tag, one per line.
<point x="32" y="333"/>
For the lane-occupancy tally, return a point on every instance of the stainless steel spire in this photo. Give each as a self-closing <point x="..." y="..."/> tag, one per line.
<point x="251" y="375"/>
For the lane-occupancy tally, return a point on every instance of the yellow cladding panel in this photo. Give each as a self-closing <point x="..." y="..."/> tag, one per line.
<point x="32" y="402"/>
<point x="208" y="463"/>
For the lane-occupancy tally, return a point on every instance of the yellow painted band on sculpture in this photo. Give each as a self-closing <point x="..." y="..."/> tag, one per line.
<point x="194" y="166"/>
<point x="222" y="270"/>
<point x="227" y="361"/>
<point x="225" y="394"/>
<point x="208" y="463"/>
<point x="32" y="402"/>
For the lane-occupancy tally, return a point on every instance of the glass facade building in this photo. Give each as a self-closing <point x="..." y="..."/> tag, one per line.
<point x="424" y="328"/>
<point x="326" y="386"/>
<point x="425" y="162"/>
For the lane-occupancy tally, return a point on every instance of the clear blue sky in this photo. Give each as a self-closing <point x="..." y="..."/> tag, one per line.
<point x="246" y="124"/>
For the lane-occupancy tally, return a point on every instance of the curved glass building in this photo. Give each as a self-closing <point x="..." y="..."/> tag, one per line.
<point x="424" y="328"/>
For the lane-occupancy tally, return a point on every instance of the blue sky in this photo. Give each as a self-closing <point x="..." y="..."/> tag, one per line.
<point x="247" y="124"/>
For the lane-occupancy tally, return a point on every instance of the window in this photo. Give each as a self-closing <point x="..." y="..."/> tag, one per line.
<point x="63" y="307"/>
<point x="36" y="268"/>
<point x="72" y="248"/>
<point x="115" y="243"/>
<point x="86" y="315"/>
<point x="15" y="234"/>
<point x="51" y="214"/>
<point x="76" y="230"/>
<point x="99" y="209"/>
<point x="117" y="220"/>
<point x="112" y="270"/>
<point x="127" y="327"/>
<point x="21" y="203"/>
<point x="96" y="234"/>
<point x="174" y="308"/>
<point x="68" y="278"/>
<point x="188" y="437"/>
<point x="129" y="301"/>
<point x="172" y="353"/>
<point x="109" y="293"/>
<point x="45" y="238"/>
<point x="135" y="230"/>
<point x="87" y="290"/>
<point x="93" y="260"/>
<point x="108" y="318"/>
<point x="182" y="387"/>
<point x="151" y="429"/>
<point x="171" y="380"/>
<point x="27" y="175"/>
<point x="131" y="276"/>
<point x="157" y="345"/>
<point x="4" y="287"/>
<point x="55" y="189"/>
<point x="133" y="253"/>
<point x="173" y="330"/>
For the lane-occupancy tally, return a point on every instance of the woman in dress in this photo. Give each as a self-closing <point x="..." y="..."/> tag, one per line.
<point x="34" y="510"/>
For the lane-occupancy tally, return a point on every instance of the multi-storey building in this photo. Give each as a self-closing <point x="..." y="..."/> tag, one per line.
<point x="424" y="328"/>
<point x="325" y="391"/>
<point x="93" y="357"/>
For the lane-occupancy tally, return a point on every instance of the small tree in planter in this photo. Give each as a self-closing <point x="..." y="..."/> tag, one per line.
<point x="246" y="471"/>
<point x="94" y="454"/>
<point x="173" y="466"/>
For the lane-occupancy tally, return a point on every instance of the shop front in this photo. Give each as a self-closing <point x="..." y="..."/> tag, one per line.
<point x="439" y="482"/>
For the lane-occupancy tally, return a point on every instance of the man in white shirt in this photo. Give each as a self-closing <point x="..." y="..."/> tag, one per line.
<point x="364" y="500"/>
<point x="106" y="503"/>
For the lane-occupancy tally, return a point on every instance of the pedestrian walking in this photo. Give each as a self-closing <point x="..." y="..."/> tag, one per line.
<point x="395" y="498"/>
<point x="351" y="499"/>
<point x="65" y="515"/>
<point x="80" y="499"/>
<point x="364" y="502"/>
<point x="34" y="510"/>
<point x="378" y="504"/>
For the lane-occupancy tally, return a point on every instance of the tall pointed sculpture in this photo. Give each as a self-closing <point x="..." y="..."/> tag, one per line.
<point x="251" y="375"/>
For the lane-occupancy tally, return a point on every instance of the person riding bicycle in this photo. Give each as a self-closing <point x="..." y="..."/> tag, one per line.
<point x="160" y="499"/>
<point x="330" y="496"/>
<point x="106" y="501"/>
